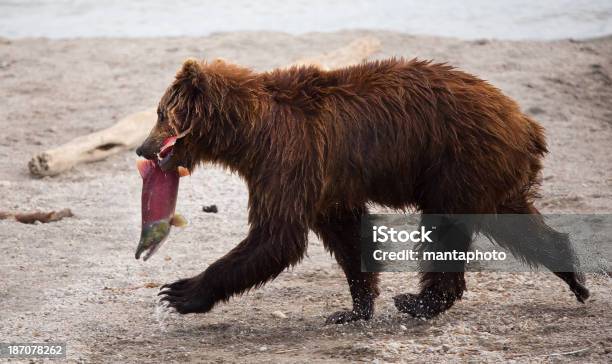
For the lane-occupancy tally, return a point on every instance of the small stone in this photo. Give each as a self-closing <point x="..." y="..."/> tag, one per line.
<point x="279" y="314"/>
<point x="210" y="209"/>
<point x="403" y="328"/>
<point x="393" y="347"/>
<point x="263" y="348"/>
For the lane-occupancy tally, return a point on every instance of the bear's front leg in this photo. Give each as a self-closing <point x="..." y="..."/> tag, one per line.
<point x="269" y="249"/>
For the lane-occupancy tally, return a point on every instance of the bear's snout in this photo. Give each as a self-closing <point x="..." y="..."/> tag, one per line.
<point x="146" y="151"/>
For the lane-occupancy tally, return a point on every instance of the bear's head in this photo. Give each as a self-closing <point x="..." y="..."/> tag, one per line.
<point x="203" y="114"/>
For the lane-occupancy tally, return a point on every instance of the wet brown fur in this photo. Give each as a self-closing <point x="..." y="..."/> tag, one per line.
<point x="315" y="147"/>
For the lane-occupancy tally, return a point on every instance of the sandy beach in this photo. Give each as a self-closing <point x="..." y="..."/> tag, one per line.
<point x="77" y="281"/>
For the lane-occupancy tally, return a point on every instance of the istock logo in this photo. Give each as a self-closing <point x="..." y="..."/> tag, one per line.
<point x="383" y="234"/>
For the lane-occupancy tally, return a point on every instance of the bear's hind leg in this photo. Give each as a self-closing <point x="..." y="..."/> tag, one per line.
<point x="442" y="282"/>
<point x="539" y="244"/>
<point x="340" y="230"/>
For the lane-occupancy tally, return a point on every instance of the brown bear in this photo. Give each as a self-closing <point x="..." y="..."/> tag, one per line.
<point x="315" y="147"/>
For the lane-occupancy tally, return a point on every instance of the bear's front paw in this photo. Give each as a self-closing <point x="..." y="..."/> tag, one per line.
<point x="188" y="295"/>
<point x="343" y="317"/>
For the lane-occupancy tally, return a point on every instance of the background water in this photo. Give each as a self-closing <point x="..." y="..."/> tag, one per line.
<point x="510" y="19"/>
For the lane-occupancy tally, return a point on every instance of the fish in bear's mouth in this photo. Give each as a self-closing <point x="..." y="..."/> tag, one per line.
<point x="159" y="194"/>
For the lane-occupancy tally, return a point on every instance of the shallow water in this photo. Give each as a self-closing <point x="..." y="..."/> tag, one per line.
<point x="511" y="19"/>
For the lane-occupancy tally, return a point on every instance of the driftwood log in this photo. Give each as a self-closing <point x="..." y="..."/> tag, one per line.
<point x="130" y="131"/>
<point x="37" y="216"/>
<point x="356" y="51"/>
<point x="125" y="134"/>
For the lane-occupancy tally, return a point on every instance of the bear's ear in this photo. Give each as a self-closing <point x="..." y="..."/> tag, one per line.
<point x="219" y="62"/>
<point x="191" y="70"/>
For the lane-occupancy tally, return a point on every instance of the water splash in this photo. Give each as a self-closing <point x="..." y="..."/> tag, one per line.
<point x="161" y="314"/>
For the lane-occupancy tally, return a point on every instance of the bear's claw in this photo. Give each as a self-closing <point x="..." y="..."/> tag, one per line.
<point x="186" y="296"/>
